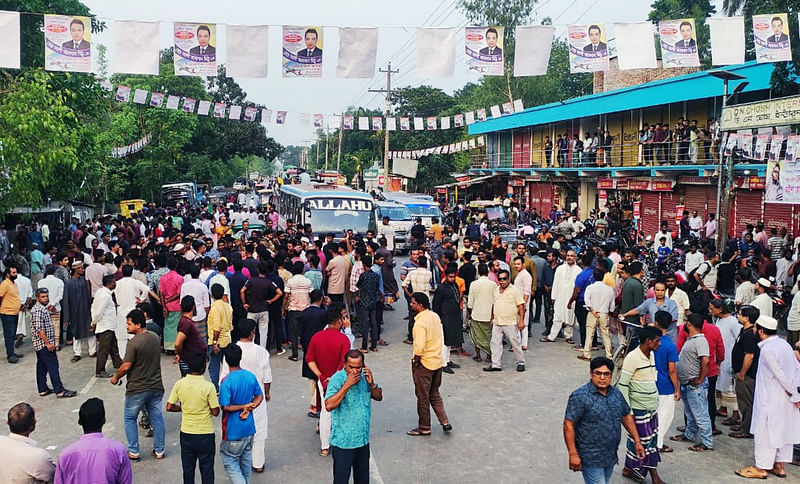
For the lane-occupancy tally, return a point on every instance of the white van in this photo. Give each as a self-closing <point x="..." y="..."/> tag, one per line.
<point x="399" y="219"/>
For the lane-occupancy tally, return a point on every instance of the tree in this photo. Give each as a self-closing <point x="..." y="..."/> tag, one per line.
<point x="699" y="10"/>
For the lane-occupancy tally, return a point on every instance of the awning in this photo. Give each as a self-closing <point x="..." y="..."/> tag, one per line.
<point x="466" y="183"/>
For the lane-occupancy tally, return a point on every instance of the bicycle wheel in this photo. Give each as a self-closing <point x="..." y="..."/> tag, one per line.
<point x="617" y="358"/>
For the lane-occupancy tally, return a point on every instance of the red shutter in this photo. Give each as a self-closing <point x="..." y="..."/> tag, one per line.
<point x="702" y="198"/>
<point x="541" y="197"/>
<point x="778" y="215"/>
<point x="651" y="215"/>
<point x="522" y="148"/>
<point x="748" y="210"/>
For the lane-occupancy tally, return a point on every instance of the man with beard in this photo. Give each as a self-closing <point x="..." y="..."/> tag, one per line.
<point x="561" y="294"/>
<point x="76" y="311"/>
<point x="446" y="303"/>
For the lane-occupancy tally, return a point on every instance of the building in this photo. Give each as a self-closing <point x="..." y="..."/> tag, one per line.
<point x="653" y="183"/>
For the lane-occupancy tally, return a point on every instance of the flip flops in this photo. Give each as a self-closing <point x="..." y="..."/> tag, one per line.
<point x="750" y="473"/>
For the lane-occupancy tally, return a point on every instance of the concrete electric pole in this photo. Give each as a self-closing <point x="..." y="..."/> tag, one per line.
<point x="388" y="91"/>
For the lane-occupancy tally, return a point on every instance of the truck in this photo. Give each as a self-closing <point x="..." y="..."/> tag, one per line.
<point x="181" y="192"/>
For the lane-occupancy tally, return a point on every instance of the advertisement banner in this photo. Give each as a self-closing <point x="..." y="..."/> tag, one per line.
<point x="588" y="51"/>
<point x="775" y="147"/>
<point x="349" y="121"/>
<point x="747" y="145"/>
<point x="67" y="43"/>
<point x="195" y="49"/>
<point x="484" y="50"/>
<point x="782" y="182"/>
<point x="302" y="51"/>
<point x="156" y="99"/>
<point x="761" y="147"/>
<point x="678" y="43"/>
<point x="771" y="38"/>
<point x="733" y="138"/>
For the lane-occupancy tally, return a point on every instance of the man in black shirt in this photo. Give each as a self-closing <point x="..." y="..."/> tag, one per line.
<point x="418" y="231"/>
<point x="744" y="362"/>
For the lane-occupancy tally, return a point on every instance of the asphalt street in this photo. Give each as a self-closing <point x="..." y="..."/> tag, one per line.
<point x="507" y="425"/>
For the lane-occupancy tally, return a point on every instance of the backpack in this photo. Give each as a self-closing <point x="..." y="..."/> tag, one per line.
<point x="692" y="284"/>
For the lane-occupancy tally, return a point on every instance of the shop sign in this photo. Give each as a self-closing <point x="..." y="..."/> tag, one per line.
<point x="641" y="185"/>
<point x="661" y="185"/>
<point x="637" y="210"/>
<point x="775" y="112"/>
<point x="605" y="183"/>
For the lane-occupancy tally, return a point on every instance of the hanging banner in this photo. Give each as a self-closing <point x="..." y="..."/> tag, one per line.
<point x="250" y="113"/>
<point x="733" y="139"/>
<point x="495" y="110"/>
<point x="469" y="117"/>
<point x="771" y="38"/>
<point x="358" y="49"/>
<point x="140" y="96"/>
<point x="431" y="123"/>
<point x="775" y="147"/>
<point x="235" y="112"/>
<point x="246" y="51"/>
<point x="792" y="143"/>
<point x="436" y="56"/>
<point x="195" y="53"/>
<point x="280" y="117"/>
<point x="67" y="43"/>
<point x="348" y="121"/>
<point x="458" y="120"/>
<point x="391" y="124"/>
<point x="727" y="40"/>
<point x="266" y="115"/>
<point x="588" y="51"/>
<point x="203" y="107"/>
<point x="484" y="50"/>
<point x="445" y="122"/>
<point x="678" y="43"/>
<point x="761" y="147"/>
<point x="532" y="55"/>
<point x="377" y="123"/>
<point x="405" y="123"/>
<point x="747" y="145"/>
<point x="635" y="46"/>
<point x="10" y="41"/>
<point x="188" y="105"/>
<point x="136" y="47"/>
<point x="363" y="123"/>
<point x="219" y="110"/>
<point x="481" y="115"/>
<point x="508" y="108"/>
<point x="319" y="120"/>
<point x="302" y="51"/>
<point x="419" y="124"/>
<point x="123" y="94"/>
<point x="156" y="99"/>
<point x="305" y="119"/>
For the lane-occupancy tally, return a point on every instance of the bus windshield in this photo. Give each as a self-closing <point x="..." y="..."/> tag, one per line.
<point x="337" y="221"/>
<point x="424" y="210"/>
<point x="395" y="213"/>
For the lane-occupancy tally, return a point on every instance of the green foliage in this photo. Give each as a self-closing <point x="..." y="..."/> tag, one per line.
<point x="699" y="10"/>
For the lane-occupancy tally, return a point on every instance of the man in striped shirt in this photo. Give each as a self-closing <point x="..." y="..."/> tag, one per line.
<point x="43" y="336"/>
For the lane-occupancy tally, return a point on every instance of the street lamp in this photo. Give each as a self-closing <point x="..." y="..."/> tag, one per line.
<point x="722" y="221"/>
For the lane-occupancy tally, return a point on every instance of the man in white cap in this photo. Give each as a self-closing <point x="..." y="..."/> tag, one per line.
<point x="776" y="420"/>
<point x="763" y="302"/>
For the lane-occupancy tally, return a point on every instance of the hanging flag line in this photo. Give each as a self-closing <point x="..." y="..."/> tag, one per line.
<point x="458" y="146"/>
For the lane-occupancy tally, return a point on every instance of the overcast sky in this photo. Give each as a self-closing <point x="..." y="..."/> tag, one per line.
<point x="330" y="95"/>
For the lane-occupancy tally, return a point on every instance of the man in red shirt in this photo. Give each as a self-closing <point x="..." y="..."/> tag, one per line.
<point x="325" y="356"/>
<point x="169" y="291"/>
<point x="717" y="350"/>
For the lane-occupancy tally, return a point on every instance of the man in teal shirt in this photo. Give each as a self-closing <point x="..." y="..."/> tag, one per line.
<point x="349" y="400"/>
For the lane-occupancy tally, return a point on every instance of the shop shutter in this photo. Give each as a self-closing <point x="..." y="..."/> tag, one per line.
<point x="702" y="198"/>
<point x="541" y="197"/>
<point x="747" y="210"/>
<point x="778" y="215"/>
<point x="669" y="209"/>
<point x="522" y="148"/>
<point x="650" y="212"/>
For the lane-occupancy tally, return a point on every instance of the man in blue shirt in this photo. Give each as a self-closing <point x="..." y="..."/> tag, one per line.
<point x="669" y="391"/>
<point x="584" y="279"/>
<point x="349" y="400"/>
<point x="654" y="304"/>
<point x="239" y="394"/>
<point x="591" y="425"/>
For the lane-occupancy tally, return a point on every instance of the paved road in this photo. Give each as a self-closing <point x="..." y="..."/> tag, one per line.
<point x="507" y="426"/>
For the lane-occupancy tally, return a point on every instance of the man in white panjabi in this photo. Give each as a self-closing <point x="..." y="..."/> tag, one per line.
<point x="776" y="418"/>
<point x="128" y="293"/>
<point x="563" y="286"/>
<point x="255" y="359"/>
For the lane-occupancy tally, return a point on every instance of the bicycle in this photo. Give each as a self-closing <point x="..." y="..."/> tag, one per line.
<point x="622" y="350"/>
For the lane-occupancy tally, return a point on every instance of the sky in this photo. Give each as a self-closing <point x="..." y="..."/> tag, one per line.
<point x="397" y="22"/>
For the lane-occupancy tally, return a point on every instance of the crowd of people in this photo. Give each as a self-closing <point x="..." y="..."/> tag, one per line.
<point x="185" y="283"/>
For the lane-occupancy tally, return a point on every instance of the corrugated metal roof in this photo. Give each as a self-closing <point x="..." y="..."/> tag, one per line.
<point x="698" y="85"/>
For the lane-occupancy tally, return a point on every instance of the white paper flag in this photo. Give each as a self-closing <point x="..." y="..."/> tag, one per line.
<point x="172" y="102"/>
<point x="445" y="122"/>
<point x="334" y="121"/>
<point x="495" y="110"/>
<point x="140" y="96"/>
<point x="246" y="48"/>
<point x="235" y="112"/>
<point x="532" y="52"/>
<point x="635" y="46"/>
<point x="203" y="107"/>
<point x="363" y="123"/>
<point x="9" y="40"/>
<point x="305" y="119"/>
<point x="508" y="108"/>
<point x="357" y="51"/>
<point x="436" y="55"/>
<point x="136" y="47"/>
<point x="470" y="117"/>
<point x="727" y="40"/>
<point x="391" y="123"/>
<point x="518" y="107"/>
<point x="419" y="125"/>
<point x="266" y="115"/>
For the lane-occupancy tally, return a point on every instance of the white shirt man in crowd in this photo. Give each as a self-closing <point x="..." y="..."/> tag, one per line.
<point x="20" y="459"/>
<point x="563" y="286"/>
<point x="599" y="299"/>
<point x="763" y="302"/>
<point x="523" y="281"/>
<point x="129" y="292"/>
<point x="695" y="224"/>
<point x="746" y="291"/>
<point x="104" y="324"/>
<point x="479" y="310"/>
<point x="693" y="258"/>
<point x="508" y="310"/>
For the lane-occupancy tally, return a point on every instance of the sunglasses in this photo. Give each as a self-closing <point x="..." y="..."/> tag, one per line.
<point x="501" y="279"/>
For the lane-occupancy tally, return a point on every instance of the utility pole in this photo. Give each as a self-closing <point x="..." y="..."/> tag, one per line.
<point x="341" y="135"/>
<point x="326" y="148"/>
<point x="388" y="91"/>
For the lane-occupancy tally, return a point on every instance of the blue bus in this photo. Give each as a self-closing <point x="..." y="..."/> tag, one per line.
<point x="328" y="208"/>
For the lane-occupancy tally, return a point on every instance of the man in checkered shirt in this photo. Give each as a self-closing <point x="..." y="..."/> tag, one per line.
<point x="43" y="336"/>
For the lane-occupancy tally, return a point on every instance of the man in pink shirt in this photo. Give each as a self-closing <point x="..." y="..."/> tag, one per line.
<point x="169" y="292"/>
<point x="717" y="354"/>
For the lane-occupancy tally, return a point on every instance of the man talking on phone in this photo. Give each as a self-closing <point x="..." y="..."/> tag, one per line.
<point x="349" y="400"/>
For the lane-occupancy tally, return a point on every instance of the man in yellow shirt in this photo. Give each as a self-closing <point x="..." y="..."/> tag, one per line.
<point x="9" y="312"/>
<point x="436" y="229"/>
<point x="508" y="318"/>
<point x="426" y="366"/>
<point x="220" y="325"/>
<point x="198" y="402"/>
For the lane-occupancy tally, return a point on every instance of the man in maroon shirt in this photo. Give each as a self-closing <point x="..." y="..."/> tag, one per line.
<point x="188" y="340"/>
<point x="325" y="356"/>
<point x="717" y="350"/>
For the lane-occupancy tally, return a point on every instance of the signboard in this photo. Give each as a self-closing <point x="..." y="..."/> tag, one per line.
<point x="371" y="174"/>
<point x="339" y="204"/>
<point x="637" y="210"/>
<point x="661" y="185"/>
<point x="679" y="213"/>
<point x="517" y="182"/>
<point x="605" y="183"/>
<point x="602" y="199"/>
<point x="761" y="114"/>
<point x="638" y="185"/>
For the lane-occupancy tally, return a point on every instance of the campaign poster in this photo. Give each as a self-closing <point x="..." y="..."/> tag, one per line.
<point x="588" y="50"/>
<point x="747" y="145"/>
<point x="678" y="43"/>
<point x="761" y="147"/>
<point x="733" y="139"/>
<point x="771" y="38"/>
<point x="775" y="147"/>
<point x="195" y="51"/>
<point x="319" y="120"/>
<point x="219" y="110"/>
<point x="266" y="115"/>
<point x="405" y="124"/>
<point x="348" y="120"/>
<point x="458" y="120"/>
<point x="188" y="104"/>
<point x="774" y="184"/>
<point x="156" y="99"/>
<point x="484" y="50"/>
<point x="508" y="108"/>
<point x="235" y="112"/>
<point x="481" y="114"/>
<point x="431" y="122"/>
<point x="140" y="96"/>
<point x="792" y="145"/>
<point x="123" y="94"/>
<point x="469" y="117"/>
<point x="172" y="102"/>
<point x="250" y="113"/>
<point x="280" y="117"/>
<point x="363" y="123"/>
<point x="203" y="107"/>
<point x="67" y="43"/>
<point x="305" y="119"/>
<point x="302" y="51"/>
<point x="391" y="123"/>
<point x="377" y="123"/>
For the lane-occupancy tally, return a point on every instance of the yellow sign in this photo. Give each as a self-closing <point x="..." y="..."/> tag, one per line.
<point x="777" y="112"/>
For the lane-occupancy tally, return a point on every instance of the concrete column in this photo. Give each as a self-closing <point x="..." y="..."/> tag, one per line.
<point x="587" y="198"/>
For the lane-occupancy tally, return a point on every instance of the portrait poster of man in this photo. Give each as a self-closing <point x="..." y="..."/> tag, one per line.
<point x="792" y="145"/>
<point x="774" y="188"/>
<point x="188" y="104"/>
<point x="775" y="147"/>
<point x="156" y="99"/>
<point x="123" y="94"/>
<point x="250" y="113"/>
<point x="67" y="43"/>
<point x="761" y="147"/>
<point x="219" y="110"/>
<point x="302" y="51"/>
<point x="678" y="43"/>
<point x="733" y="140"/>
<point x="747" y="145"/>
<point x="319" y="120"/>
<point x="195" y="49"/>
<point x="405" y="124"/>
<point x="348" y="121"/>
<point x="588" y="51"/>
<point x="771" y="38"/>
<point x="484" y="50"/>
<point x="280" y="117"/>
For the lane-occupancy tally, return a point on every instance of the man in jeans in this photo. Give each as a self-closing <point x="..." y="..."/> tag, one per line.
<point x="144" y="390"/>
<point x="9" y="312"/>
<point x="43" y="337"/>
<point x="239" y="394"/>
<point x="257" y="294"/>
<point x="297" y="290"/>
<point x="693" y="367"/>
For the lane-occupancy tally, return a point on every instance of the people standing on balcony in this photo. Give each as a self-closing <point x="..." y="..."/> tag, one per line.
<point x="694" y="142"/>
<point x="608" y="140"/>
<point x="659" y="144"/>
<point x="563" y="150"/>
<point x="548" y="150"/>
<point x="641" y="157"/>
<point x="684" y="139"/>
<point x="649" y="147"/>
<point x="577" y="151"/>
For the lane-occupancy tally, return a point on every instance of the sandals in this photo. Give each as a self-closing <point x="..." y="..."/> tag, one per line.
<point x="750" y="473"/>
<point x="633" y="475"/>
<point x="679" y="438"/>
<point x="665" y="450"/>
<point x="418" y="433"/>
<point x="740" y="435"/>
<point x="46" y="392"/>
<point x="570" y="341"/>
<point x="780" y="476"/>
<point x="325" y="452"/>
<point x="545" y="340"/>
<point x="700" y="448"/>
<point x="731" y="421"/>
<point x="477" y="358"/>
